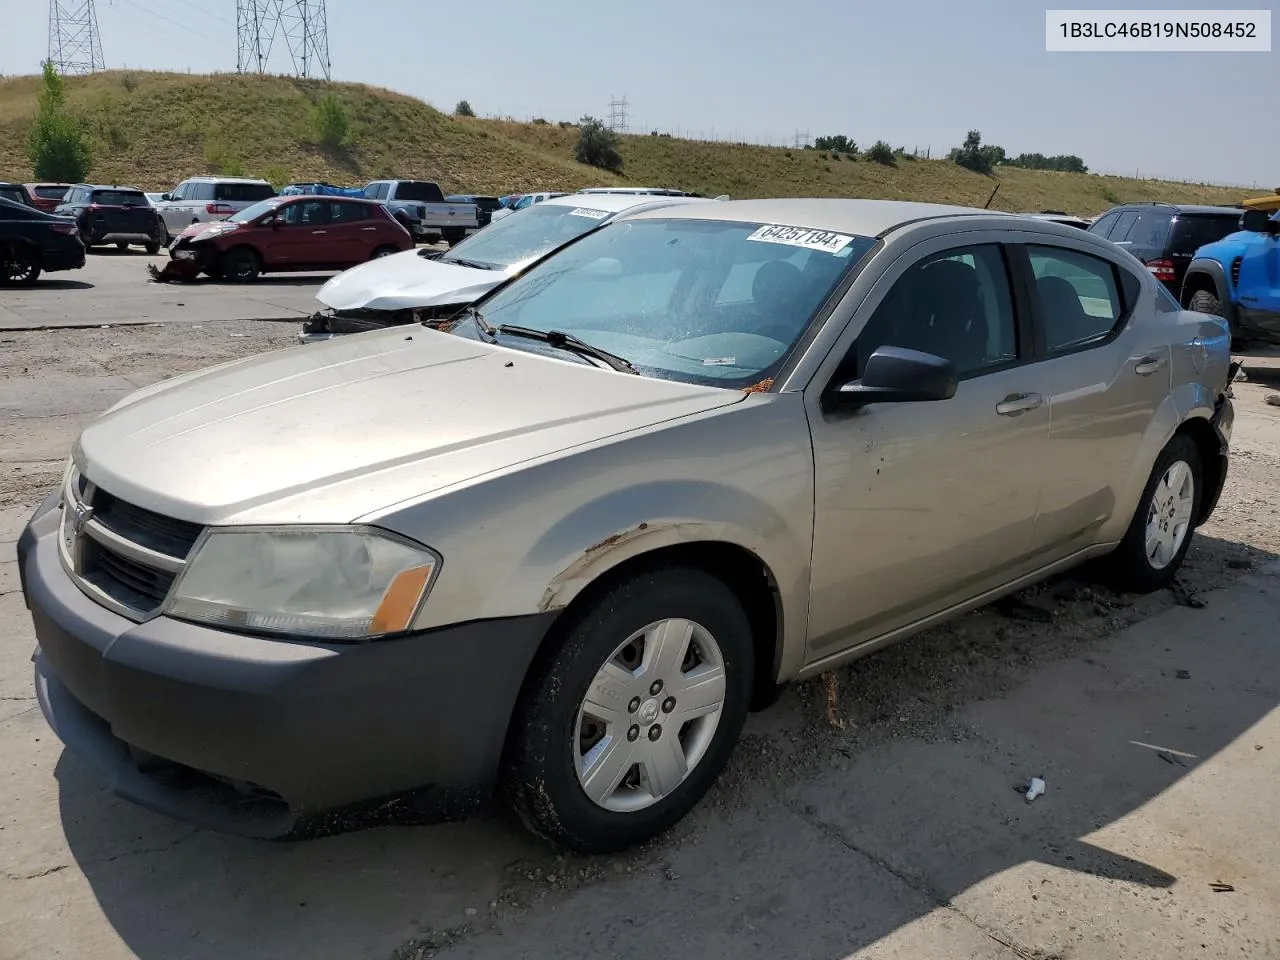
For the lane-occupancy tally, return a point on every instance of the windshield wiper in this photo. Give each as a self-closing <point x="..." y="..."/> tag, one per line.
<point x="473" y="264"/>
<point x="566" y="341"/>
<point x="487" y="330"/>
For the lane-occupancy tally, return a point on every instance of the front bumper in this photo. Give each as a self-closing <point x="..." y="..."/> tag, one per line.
<point x="264" y="737"/>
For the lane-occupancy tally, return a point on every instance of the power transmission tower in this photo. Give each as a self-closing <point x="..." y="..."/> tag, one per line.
<point x="74" y="43"/>
<point x="304" y="25"/>
<point x="801" y="140"/>
<point x="618" y="114"/>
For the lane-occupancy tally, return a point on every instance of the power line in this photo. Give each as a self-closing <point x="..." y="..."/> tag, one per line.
<point x="74" y="43"/>
<point x="195" y="7"/>
<point x="302" y="23"/>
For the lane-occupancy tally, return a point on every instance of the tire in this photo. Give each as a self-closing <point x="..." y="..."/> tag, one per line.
<point x="1131" y="565"/>
<point x="454" y="237"/>
<point x="121" y="245"/>
<point x="19" y="267"/>
<point x="241" y="265"/>
<point x="165" y="238"/>
<point x="384" y="251"/>
<point x="552" y="727"/>
<point x="153" y="249"/>
<point x="1206" y="301"/>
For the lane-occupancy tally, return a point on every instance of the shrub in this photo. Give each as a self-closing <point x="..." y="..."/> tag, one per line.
<point x="275" y="175"/>
<point x="881" y="152"/>
<point x="221" y="160"/>
<point x="331" y="122"/>
<point x="463" y="109"/>
<point x="974" y="156"/>
<point x="129" y="81"/>
<point x="836" y="145"/>
<point x="597" y="146"/>
<point x="57" y="144"/>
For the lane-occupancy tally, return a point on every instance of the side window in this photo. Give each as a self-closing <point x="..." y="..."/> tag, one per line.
<point x="1078" y="295"/>
<point x="347" y="212"/>
<point x="180" y="191"/>
<point x="1123" y="224"/>
<point x="1103" y="226"/>
<point x="956" y="304"/>
<point x="308" y="213"/>
<point x="200" y="192"/>
<point x="381" y="191"/>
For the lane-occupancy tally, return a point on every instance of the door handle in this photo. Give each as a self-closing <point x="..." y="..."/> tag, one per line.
<point x="1016" y="403"/>
<point x="314" y="232"/>
<point x="369" y="229"/>
<point x="1149" y="365"/>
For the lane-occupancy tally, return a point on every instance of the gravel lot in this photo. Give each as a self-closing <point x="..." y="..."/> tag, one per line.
<point x="871" y="814"/>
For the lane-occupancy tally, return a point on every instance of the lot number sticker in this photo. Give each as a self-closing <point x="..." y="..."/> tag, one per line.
<point x="584" y="212"/>
<point x="800" y="237"/>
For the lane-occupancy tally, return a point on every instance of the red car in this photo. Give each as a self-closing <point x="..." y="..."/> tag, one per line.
<point x="47" y="196"/>
<point x="289" y="234"/>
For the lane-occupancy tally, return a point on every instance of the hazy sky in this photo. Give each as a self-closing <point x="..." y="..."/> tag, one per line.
<point x="913" y="72"/>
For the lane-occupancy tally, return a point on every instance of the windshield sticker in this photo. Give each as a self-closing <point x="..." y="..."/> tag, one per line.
<point x="720" y="362"/>
<point x="800" y="237"/>
<point x="587" y="212"/>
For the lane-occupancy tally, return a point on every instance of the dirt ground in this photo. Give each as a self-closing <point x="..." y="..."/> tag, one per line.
<point x="503" y="894"/>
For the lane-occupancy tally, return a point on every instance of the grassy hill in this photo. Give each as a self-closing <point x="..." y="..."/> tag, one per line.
<point x="151" y="130"/>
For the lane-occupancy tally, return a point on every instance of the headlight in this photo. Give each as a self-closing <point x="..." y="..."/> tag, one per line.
<point x="336" y="583"/>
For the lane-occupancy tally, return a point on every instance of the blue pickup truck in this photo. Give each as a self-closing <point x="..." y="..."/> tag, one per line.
<point x="1238" y="277"/>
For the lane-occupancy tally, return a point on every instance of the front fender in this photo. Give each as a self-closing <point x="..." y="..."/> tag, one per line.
<point x="1221" y="285"/>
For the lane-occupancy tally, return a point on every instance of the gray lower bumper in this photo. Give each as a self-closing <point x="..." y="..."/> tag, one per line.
<point x="260" y="737"/>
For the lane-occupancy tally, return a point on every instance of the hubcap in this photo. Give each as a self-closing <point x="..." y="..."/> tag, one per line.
<point x="1169" y="519"/>
<point x="649" y="715"/>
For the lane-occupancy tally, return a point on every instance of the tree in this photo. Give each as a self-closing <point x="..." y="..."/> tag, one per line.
<point x="57" y="144"/>
<point x="463" y="109"/>
<point x="881" y="152"/>
<point x="836" y="144"/>
<point x="597" y="145"/>
<point x="974" y="156"/>
<point x="331" y="122"/>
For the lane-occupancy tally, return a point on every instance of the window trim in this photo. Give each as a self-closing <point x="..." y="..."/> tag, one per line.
<point x="1127" y="304"/>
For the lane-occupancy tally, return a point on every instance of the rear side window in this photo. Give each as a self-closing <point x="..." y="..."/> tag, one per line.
<point x="1078" y="295"/>
<point x="199" y="191"/>
<point x="243" y="192"/>
<point x="14" y="194"/>
<point x="1120" y="230"/>
<point x="121" y="198"/>
<point x="51" y="193"/>
<point x="1148" y="230"/>
<point x="1192" y="231"/>
<point x="1103" y="225"/>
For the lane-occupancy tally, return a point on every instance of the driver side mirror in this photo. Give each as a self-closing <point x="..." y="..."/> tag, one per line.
<point x="166" y="196"/>
<point x="897" y="375"/>
<point x="1259" y="221"/>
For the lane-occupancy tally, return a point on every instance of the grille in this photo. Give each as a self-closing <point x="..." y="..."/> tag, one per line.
<point x="126" y="581"/>
<point x="162" y="534"/>
<point x="1235" y="271"/>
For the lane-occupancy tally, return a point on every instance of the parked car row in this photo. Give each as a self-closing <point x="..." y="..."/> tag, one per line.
<point x="564" y="541"/>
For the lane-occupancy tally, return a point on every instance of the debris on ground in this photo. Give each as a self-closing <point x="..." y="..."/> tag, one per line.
<point x="1184" y="597"/>
<point x="832" y="684"/>
<point x="1034" y="788"/>
<point x="1222" y="887"/>
<point x="1273" y="399"/>
<point x="1183" y="674"/>
<point x="1021" y="608"/>
<point x="1170" y="758"/>
<point x="175" y="271"/>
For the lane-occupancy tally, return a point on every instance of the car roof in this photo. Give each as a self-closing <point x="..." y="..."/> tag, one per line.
<point x="612" y="202"/>
<point x="225" y="180"/>
<point x="868" y="218"/>
<point x="295" y="197"/>
<point x="1178" y="208"/>
<point x="106" y="186"/>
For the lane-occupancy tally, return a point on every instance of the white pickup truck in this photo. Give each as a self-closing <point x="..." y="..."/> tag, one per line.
<point x="421" y="207"/>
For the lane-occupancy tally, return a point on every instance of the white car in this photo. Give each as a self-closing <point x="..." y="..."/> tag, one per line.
<point x="206" y="199"/>
<point x="425" y="284"/>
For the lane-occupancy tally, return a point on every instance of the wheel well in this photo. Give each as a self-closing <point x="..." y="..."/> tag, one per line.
<point x="20" y="243"/>
<point x="242" y="247"/>
<point x="1193" y="283"/>
<point x="741" y="570"/>
<point x="1213" y="465"/>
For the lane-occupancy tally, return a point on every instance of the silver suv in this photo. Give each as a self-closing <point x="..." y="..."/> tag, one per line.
<point x="206" y="199"/>
<point x="567" y="541"/>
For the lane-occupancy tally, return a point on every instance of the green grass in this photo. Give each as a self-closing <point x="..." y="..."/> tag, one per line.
<point x="151" y="130"/>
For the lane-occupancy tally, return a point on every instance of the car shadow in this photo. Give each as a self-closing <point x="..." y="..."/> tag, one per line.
<point x="112" y="251"/>
<point x="817" y="841"/>
<point x="46" y="283"/>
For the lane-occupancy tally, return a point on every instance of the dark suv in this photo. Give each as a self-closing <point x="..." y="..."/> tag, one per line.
<point x="1165" y="236"/>
<point x="119" y="215"/>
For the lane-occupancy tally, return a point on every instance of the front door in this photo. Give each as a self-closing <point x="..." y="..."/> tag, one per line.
<point x="302" y="239"/>
<point x="919" y="506"/>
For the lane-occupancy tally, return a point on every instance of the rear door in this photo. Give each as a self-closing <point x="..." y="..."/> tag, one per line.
<point x="352" y="232"/>
<point x="1105" y="375"/>
<point x="1191" y="232"/>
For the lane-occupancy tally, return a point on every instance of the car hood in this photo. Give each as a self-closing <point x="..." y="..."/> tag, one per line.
<point x="406" y="280"/>
<point x="209" y="229"/>
<point x="332" y="432"/>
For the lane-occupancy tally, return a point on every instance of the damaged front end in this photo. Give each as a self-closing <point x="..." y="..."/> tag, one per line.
<point x="336" y="323"/>
<point x="188" y="258"/>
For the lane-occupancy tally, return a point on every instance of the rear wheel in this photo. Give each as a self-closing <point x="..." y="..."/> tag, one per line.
<point x="153" y="249"/>
<point x="19" y="266"/>
<point x="628" y="723"/>
<point x="121" y="245"/>
<point x="241" y="265"/>
<point x="1159" y="535"/>
<point x="383" y="252"/>
<point x="454" y="237"/>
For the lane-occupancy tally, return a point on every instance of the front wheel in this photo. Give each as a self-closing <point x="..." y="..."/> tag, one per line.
<point x="1159" y="535"/>
<point x="240" y="265"/>
<point x="628" y="723"/>
<point x="153" y="249"/>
